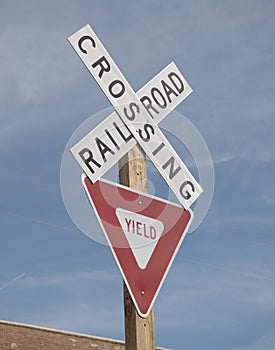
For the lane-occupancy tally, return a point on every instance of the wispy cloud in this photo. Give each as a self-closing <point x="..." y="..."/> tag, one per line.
<point x="89" y="317"/>
<point x="12" y="281"/>
<point x="79" y="277"/>
<point x="75" y="297"/>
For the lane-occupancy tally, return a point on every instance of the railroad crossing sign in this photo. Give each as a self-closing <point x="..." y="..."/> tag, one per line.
<point x="135" y="116"/>
<point x="144" y="234"/>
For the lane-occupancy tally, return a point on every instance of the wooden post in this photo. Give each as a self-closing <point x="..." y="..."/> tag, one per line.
<point x="139" y="332"/>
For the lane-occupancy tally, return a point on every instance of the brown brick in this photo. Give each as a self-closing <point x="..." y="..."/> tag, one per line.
<point x="24" y="337"/>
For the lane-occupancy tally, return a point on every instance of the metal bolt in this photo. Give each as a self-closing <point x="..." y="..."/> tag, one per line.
<point x="142" y="292"/>
<point x="139" y="202"/>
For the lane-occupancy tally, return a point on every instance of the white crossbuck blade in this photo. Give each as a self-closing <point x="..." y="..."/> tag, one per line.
<point x="136" y="119"/>
<point x="111" y="140"/>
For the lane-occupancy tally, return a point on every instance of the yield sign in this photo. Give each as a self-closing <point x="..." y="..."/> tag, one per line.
<point x="144" y="234"/>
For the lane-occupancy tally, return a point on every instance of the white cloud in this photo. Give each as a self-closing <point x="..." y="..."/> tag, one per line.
<point x="89" y="316"/>
<point x="81" y="301"/>
<point x="68" y="279"/>
<point x="222" y="158"/>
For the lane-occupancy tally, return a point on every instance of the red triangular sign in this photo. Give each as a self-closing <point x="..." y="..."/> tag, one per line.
<point x="144" y="234"/>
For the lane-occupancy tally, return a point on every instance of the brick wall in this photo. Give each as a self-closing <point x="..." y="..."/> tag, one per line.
<point x="24" y="337"/>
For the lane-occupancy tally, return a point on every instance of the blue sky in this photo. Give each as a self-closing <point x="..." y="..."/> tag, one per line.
<point x="220" y="291"/>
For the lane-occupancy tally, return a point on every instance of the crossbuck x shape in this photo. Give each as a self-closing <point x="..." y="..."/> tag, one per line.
<point x="134" y="118"/>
